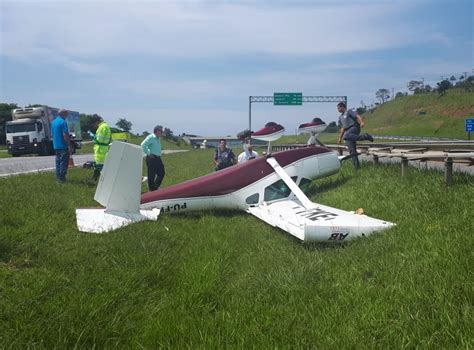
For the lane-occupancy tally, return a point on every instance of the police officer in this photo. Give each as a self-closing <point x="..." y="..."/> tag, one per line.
<point x="102" y="139"/>
<point x="152" y="148"/>
<point x="350" y="123"/>
<point x="223" y="156"/>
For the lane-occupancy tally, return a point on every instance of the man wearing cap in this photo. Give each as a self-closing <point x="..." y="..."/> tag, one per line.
<point x="152" y="148"/>
<point x="102" y="139"/>
<point x="61" y="144"/>
<point x="350" y="123"/>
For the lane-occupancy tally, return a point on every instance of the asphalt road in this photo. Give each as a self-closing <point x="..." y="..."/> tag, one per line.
<point x="24" y="165"/>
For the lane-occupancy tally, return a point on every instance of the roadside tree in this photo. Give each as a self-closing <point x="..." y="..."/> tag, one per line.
<point x="124" y="124"/>
<point x="383" y="95"/>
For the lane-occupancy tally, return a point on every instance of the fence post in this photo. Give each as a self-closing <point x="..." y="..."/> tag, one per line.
<point x="404" y="166"/>
<point x="448" y="171"/>
<point x="376" y="159"/>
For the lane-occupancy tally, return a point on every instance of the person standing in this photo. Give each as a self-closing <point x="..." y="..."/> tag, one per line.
<point x="102" y="139"/>
<point x="351" y="123"/>
<point x="223" y="157"/>
<point x="152" y="148"/>
<point x="247" y="154"/>
<point x="61" y="144"/>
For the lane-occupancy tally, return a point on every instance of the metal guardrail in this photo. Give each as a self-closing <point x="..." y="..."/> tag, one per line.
<point x="430" y="145"/>
<point x="407" y="138"/>
<point x="448" y="152"/>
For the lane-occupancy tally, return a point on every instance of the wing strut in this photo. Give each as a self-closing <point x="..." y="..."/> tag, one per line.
<point x="291" y="184"/>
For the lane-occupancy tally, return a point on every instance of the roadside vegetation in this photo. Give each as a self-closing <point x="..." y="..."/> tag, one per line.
<point x="165" y="144"/>
<point x="423" y="114"/>
<point x="324" y="138"/>
<point x="226" y="279"/>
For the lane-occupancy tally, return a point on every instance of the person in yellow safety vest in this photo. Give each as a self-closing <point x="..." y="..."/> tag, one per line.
<point x="102" y="139"/>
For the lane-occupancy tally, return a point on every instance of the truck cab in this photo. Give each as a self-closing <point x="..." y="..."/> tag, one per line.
<point x="30" y="130"/>
<point x="26" y="136"/>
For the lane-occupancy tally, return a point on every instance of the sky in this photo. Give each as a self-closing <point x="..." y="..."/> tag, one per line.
<point x="192" y="65"/>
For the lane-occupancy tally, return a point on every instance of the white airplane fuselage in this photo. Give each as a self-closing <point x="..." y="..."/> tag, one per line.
<point x="311" y="167"/>
<point x="267" y="187"/>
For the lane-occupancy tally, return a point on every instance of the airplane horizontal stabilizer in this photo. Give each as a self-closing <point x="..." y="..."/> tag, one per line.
<point x="100" y="221"/>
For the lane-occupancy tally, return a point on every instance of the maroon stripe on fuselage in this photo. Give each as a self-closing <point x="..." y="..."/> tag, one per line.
<point x="230" y="179"/>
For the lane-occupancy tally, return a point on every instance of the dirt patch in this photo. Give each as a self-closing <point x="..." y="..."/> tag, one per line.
<point x="458" y="112"/>
<point x="17" y="264"/>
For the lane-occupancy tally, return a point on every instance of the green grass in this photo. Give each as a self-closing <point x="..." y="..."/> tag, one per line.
<point x="324" y="137"/>
<point x="165" y="143"/>
<point x="226" y="279"/>
<point x="88" y="147"/>
<point x="443" y="115"/>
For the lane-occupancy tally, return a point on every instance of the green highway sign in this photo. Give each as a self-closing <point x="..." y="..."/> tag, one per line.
<point x="287" y="99"/>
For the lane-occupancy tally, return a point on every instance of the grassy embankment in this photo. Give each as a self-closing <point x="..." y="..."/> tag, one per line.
<point x="225" y="279"/>
<point x="423" y="115"/>
<point x="3" y="152"/>
<point x="165" y="143"/>
<point x="324" y="138"/>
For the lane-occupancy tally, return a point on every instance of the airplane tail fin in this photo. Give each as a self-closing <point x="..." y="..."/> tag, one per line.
<point x="119" y="191"/>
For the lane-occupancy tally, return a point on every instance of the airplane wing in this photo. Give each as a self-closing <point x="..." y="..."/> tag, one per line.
<point x="312" y="222"/>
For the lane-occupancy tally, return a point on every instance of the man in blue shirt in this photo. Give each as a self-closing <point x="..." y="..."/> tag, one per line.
<point x="152" y="148"/>
<point x="61" y="144"/>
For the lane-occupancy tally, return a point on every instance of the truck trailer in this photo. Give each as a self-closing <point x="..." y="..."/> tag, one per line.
<point x="29" y="132"/>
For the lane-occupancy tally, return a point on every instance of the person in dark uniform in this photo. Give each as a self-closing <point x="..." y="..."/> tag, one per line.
<point x="351" y="123"/>
<point x="223" y="157"/>
<point x="152" y="148"/>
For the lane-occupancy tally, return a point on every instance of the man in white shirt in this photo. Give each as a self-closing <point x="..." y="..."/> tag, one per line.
<point x="248" y="154"/>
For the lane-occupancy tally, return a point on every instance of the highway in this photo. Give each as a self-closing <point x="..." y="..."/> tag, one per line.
<point x="25" y="165"/>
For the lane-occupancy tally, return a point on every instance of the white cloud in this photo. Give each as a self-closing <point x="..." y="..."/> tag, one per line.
<point x="102" y="41"/>
<point x="197" y="29"/>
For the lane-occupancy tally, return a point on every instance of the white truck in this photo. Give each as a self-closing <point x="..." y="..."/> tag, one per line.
<point x="29" y="132"/>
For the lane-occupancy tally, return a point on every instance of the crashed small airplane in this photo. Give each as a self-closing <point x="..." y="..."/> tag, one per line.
<point x="268" y="187"/>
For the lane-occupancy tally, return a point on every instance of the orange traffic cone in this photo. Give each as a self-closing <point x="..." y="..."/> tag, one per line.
<point x="71" y="163"/>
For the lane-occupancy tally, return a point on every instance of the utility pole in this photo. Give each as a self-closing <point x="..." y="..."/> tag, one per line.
<point x="250" y="113"/>
<point x="392" y="94"/>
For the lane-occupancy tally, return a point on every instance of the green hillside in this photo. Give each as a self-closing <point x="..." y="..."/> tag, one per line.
<point x="426" y="114"/>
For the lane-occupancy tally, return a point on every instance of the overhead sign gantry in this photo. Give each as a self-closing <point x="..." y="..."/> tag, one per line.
<point x="290" y="99"/>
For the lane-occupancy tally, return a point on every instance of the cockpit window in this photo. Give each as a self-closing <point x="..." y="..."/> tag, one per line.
<point x="253" y="199"/>
<point x="277" y="190"/>
<point x="305" y="184"/>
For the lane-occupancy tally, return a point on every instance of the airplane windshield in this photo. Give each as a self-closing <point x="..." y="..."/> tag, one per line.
<point x="15" y="128"/>
<point x="277" y="190"/>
